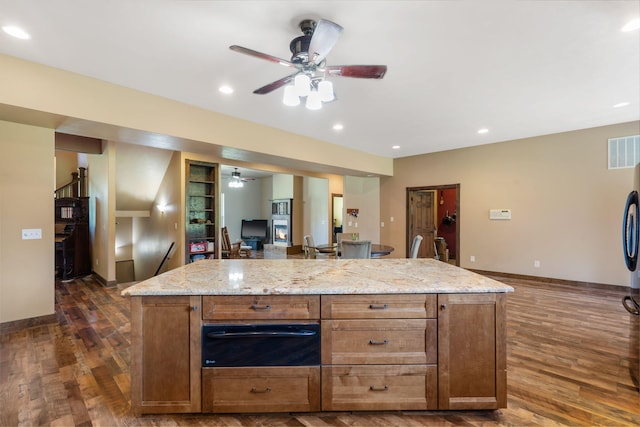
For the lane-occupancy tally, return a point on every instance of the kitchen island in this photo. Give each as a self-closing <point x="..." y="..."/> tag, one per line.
<point x="392" y="334"/>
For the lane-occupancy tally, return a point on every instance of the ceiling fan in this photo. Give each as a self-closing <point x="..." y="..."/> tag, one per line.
<point x="236" y="181"/>
<point x="308" y="58"/>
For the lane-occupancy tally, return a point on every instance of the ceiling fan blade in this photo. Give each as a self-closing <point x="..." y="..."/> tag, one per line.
<point x="261" y="55"/>
<point x="359" y="71"/>
<point x="325" y="36"/>
<point x="275" y="85"/>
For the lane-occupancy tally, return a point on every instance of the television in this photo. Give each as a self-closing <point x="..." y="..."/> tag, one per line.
<point x="255" y="229"/>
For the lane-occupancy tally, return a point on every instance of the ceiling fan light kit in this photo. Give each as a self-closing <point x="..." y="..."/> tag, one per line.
<point x="236" y="181"/>
<point x="308" y="57"/>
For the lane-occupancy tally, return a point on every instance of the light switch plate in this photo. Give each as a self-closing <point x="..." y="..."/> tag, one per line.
<point x="31" y="233"/>
<point x="500" y="214"/>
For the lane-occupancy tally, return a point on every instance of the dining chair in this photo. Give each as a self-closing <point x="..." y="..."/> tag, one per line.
<point x="311" y="250"/>
<point x="352" y="249"/>
<point x="415" y="246"/>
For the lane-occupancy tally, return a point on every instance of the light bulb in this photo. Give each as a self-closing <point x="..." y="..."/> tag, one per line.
<point x="290" y="97"/>
<point x="313" y="100"/>
<point x="302" y="83"/>
<point x="325" y="89"/>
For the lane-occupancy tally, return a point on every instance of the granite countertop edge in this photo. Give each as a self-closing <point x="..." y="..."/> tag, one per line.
<point x="316" y="277"/>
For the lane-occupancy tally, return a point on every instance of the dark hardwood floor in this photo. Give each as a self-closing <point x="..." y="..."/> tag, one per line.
<point x="568" y="364"/>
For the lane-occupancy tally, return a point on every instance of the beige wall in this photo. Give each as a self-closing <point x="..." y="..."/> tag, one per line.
<point x="72" y="103"/>
<point x="66" y="163"/>
<point x="153" y="236"/>
<point x="566" y="205"/>
<point x="26" y="201"/>
<point x="102" y="218"/>
<point x="362" y="194"/>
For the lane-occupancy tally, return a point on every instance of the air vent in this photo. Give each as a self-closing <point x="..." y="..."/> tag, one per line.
<point x="624" y="152"/>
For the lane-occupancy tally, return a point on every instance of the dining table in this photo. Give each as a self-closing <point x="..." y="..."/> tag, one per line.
<point x="377" y="249"/>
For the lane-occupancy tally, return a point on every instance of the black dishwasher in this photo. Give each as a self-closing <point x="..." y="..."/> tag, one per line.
<point x="227" y="345"/>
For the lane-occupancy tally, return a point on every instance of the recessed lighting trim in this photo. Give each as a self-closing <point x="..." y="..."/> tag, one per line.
<point x="16" y="32"/>
<point x="395" y="147"/>
<point x="621" y="104"/>
<point x="227" y="90"/>
<point x="338" y="126"/>
<point x="483" y="130"/>
<point x="634" y="24"/>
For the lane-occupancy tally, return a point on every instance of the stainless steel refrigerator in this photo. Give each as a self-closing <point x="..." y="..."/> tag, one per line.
<point x="631" y="246"/>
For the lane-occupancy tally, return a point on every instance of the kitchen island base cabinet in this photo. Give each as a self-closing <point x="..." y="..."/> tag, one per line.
<point x="472" y="351"/>
<point x="261" y="389"/>
<point x="165" y="358"/>
<point x="378" y="352"/>
<point x="376" y="388"/>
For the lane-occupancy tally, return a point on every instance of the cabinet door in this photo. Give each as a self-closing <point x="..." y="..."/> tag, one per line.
<point x="166" y="353"/>
<point x="472" y="351"/>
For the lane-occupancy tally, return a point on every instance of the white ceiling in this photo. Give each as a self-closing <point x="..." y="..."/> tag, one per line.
<point x="518" y="68"/>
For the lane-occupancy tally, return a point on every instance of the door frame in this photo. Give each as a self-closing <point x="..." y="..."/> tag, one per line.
<point x="436" y="188"/>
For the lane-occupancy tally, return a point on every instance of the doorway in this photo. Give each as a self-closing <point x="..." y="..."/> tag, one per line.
<point x="434" y="213"/>
<point x="336" y="216"/>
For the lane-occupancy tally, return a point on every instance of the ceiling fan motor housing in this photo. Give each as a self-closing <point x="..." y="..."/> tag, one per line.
<point x="300" y="45"/>
<point x="300" y="49"/>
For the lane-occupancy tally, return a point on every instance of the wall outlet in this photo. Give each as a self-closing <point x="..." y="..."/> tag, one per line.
<point x="472" y="258"/>
<point x="31" y="233"/>
<point x="391" y="219"/>
<point x="382" y="224"/>
<point x="536" y="263"/>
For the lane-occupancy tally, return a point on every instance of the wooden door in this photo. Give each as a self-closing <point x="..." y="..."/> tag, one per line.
<point x="472" y="361"/>
<point x="421" y="222"/>
<point x="166" y="354"/>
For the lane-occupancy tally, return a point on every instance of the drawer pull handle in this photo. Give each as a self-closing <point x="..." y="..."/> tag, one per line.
<point x="256" y="307"/>
<point x="378" y="306"/>
<point x="374" y="388"/>
<point x="264" y="390"/>
<point x="372" y="342"/>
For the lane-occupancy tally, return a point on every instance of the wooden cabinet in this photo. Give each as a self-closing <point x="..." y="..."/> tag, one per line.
<point x="379" y="352"/>
<point x="201" y="211"/>
<point x="263" y="307"/>
<point x="261" y="389"/>
<point x="72" y="240"/>
<point x="472" y="351"/>
<point x="379" y="387"/>
<point x="165" y="358"/>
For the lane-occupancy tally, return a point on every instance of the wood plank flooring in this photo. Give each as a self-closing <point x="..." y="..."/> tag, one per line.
<point x="568" y="364"/>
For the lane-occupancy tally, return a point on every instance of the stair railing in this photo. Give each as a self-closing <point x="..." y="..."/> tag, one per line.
<point x="76" y="188"/>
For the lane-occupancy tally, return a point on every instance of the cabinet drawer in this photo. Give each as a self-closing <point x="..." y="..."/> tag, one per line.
<point x="276" y="389"/>
<point x="382" y="342"/>
<point x="387" y="387"/>
<point x="410" y="306"/>
<point x="260" y="307"/>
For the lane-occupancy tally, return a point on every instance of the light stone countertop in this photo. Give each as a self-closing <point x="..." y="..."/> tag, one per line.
<point x="316" y="277"/>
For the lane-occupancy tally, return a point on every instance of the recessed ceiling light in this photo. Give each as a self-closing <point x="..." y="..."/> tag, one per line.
<point x="16" y="32"/>
<point x="621" y="104"/>
<point x="338" y="126"/>
<point x="396" y="147"/>
<point x="226" y="89"/>
<point x="634" y="24"/>
<point x="483" y="130"/>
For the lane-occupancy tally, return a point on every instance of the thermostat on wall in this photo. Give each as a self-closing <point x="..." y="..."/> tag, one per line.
<point x="499" y="213"/>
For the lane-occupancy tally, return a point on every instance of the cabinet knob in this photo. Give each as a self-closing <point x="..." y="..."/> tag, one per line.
<point x="194" y="308"/>
<point x="443" y="306"/>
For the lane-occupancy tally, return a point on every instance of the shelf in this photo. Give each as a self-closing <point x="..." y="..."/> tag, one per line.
<point x="201" y="207"/>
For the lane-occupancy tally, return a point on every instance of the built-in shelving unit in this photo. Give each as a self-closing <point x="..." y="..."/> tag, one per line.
<point x="201" y="208"/>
